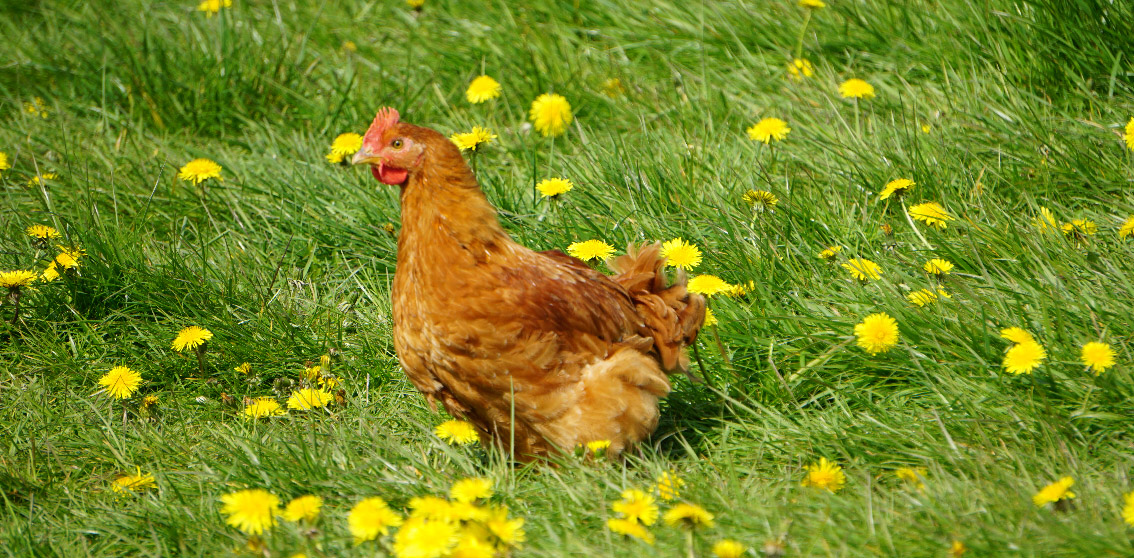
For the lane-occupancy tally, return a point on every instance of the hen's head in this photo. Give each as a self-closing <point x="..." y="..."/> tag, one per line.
<point x="392" y="149"/>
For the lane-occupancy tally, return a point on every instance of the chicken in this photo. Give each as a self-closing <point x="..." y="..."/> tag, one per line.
<point x="493" y="330"/>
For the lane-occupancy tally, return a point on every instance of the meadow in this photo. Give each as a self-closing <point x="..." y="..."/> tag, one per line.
<point x="987" y="413"/>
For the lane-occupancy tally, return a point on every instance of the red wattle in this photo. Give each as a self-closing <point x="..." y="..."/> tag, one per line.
<point x="390" y="175"/>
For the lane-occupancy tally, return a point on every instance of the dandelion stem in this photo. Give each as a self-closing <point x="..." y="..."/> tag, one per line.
<point x="914" y="227"/>
<point x="551" y="157"/>
<point x="772" y="166"/>
<point x="802" y="32"/>
<point x="201" y="359"/>
<point x="857" y="126"/>
<point x="720" y="346"/>
<point x="14" y="294"/>
<point x="701" y="364"/>
<point x="690" y="551"/>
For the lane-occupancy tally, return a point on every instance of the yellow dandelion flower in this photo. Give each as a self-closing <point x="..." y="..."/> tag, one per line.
<point x="708" y="285"/>
<point x="553" y="187"/>
<point x="1127" y="229"/>
<point x="636" y="505"/>
<point x="473" y="140"/>
<point x="415" y="4"/>
<point x="1024" y="357"/>
<point x="199" y="170"/>
<point x="121" y="382"/>
<point x="926" y="128"/>
<point x="590" y="250"/>
<point x="457" y="432"/>
<point x="1045" y="221"/>
<point x="863" y="269"/>
<point x="913" y="476"/>
<point x="482" y="89"/>
<point x="49" y="274"/>
<point x="67" y="259"/>
<point x="830" y="252"/>
<point x="1017" y="335"/>
<point x="508" y="532"/>
<point x="728" y="548"/>
<point x="370" y="519"/>
<point x="472" y="546"/>
<point x="710" y="318"/>
<point x="689" y="516"/>
<point x="4" y="165"/>
<point x="128" y="484"/>
<point x="1054" y="492"/>
<point x="42" y="232"/>
<point x="431" y="507"/>
<point x="1080" y="228"/>
<point x="464" y="511"/>
<point x="877" y="333"/>
<point x="597" y="446"/>
<point x="1097" y="356"/>
<point x="669" y="486"/>
<point x="768" y="129"/>
<point x="932" y="213"/>
<point x="741" y="289"/>
<point x="1129" y="135"/>
<point x="957" y="549"/>
<point x="613" y="88"/>
<point x="896" y="188"/>
<point x="812" y="4"/>
<point x="252" y="511"/>
<point x="304" y="508"/>
<point x="349" y="46"/>
<point x="825" y="475"/>
<point x="343" y="147"/>
<point x="630" y="529"/>
<point x="311" y="373"/>
<point x="244" y="368"/>
<point x="425" y="538"/>
<point x="938" y="267"/>
<point x="15" y="279"/>
<point x="211" y="7"/>
<point x="470" y="490"/>
<point x="761" y="200"/>
<point x="37" y="107"/>
<point x="36" y="181"/>
<point x="1128" y="508"/>
<point x="262" y="407"/>
<point x="308" y="398"/>
<point x="680" y="254"/>
<point x="800" y="68"/>
<point x="856" y="89"/>
<point x="191" y="338"/>
<point x="922" y="297"/>
<point x="550" y="114"/>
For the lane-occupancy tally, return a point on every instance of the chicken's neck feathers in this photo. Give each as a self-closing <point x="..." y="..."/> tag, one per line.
<point x="447" y="223"/>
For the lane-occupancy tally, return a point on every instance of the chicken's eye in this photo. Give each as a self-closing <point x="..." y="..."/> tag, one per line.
<point x="396" y="144"/>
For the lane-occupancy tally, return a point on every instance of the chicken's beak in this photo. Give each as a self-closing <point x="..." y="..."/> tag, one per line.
<point x="365" y="157"/>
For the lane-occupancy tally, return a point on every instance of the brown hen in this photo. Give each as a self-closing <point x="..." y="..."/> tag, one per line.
<point x="494" y="330"/>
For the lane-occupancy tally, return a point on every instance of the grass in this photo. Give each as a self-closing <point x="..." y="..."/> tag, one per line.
<point x="289" y="258"/>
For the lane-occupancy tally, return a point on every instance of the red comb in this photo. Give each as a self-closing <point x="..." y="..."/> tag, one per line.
<point x="386" y="118"/>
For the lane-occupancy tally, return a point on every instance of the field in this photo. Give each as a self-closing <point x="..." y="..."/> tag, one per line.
<point x="1010" y="115"/>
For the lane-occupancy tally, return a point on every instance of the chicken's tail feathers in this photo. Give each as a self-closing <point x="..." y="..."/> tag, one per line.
<point x="672" y="315"/>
